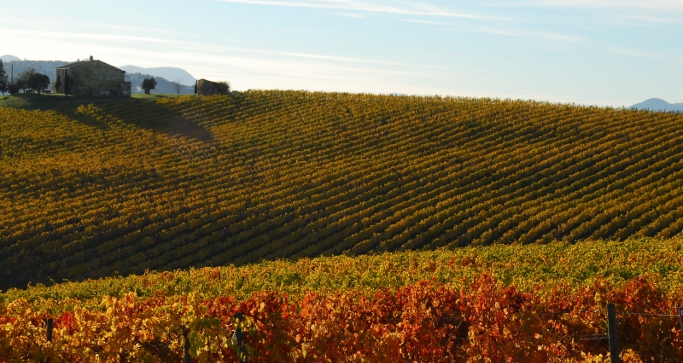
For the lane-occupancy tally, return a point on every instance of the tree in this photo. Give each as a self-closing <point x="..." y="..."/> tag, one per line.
<point x="223" y="88"/>
<point x="22" y="79"/>
<point x="32" y="80"/>
<point x="148" y="84"/>
<point x="58" y="83"/>
<point x="3" y="79"/>
<point x="13" y="89"/>
<point x="177" y="86"/>
<point x="38" y="82"/>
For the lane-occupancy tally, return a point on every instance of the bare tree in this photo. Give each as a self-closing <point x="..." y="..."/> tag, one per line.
<point x="177" y="86"/>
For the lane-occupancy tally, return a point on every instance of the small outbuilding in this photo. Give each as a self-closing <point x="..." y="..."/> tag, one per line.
<point x="208" y="88"/>
<point x="92" y="78"/>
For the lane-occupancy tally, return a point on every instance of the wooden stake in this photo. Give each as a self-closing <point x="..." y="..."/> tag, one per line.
<point x="612" y="330"/>
<point x="187" y="358"/>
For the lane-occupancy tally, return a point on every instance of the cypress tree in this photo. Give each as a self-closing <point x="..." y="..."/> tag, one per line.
<point x="3" y="79"/>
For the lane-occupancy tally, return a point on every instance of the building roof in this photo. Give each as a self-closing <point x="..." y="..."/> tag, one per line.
<point x="88" y="62"/>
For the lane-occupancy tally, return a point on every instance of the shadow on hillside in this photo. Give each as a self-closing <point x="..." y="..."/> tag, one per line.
<point x="141" y="113"/>
<point x="150" y="115"/>
<point x="144" y="113"/>
<point x="86" y="119"/>
<point x="54" y="102"/>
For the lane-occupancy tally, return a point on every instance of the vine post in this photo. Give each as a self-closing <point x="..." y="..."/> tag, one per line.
<point x="612" y="330"/>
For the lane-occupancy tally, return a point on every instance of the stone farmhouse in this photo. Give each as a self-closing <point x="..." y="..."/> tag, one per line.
<point x="92" y="78"/>
<point x="208" y="88"/>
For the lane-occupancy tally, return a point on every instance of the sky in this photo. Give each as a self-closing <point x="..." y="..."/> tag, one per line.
<point x="594" y="52"/>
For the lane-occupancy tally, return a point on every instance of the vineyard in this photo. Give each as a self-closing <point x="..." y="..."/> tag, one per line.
<point x="534" y="303"/>
<point x="120" y="188"/>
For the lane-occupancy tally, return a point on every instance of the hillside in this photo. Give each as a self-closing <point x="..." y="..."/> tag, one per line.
<point x="658" y="104"/>
<point x="48" y="68"/>
<point x="169" y="73"/>
<point x="173" y="183"/>
<point x="9" y="58"/>
<point x="164" y="86"/>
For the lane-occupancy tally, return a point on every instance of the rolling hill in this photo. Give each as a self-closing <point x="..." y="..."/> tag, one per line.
<point x="97" y="190"/>
<point x="170" y="73"/>
<point x="9" y="58"/>
<point x="163" y="86"/>
<point x="658" y="104"/>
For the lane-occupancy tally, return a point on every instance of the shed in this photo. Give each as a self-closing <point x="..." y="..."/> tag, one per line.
<point x="208" y="88"/>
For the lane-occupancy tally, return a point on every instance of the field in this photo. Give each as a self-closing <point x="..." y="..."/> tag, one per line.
<point x="519" y="207"/>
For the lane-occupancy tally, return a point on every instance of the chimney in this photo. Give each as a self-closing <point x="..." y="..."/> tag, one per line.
<point x="91" y="58"/>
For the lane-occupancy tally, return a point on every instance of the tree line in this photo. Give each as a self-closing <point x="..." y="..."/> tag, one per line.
<point x="28" y="81"/>
<point x="32" y="81"/>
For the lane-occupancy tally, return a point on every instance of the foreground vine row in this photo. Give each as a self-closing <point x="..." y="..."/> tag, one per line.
<point x="422" y="322"/>
<point x="523" y="266"/>
<point x="259" y="175"/>
<point x="532" y="303"/>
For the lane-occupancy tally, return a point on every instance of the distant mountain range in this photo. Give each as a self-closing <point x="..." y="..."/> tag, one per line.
<point x="163" y="75"/>
<point x="14" y="65"/>
<point x="164" y="86"/>
<point x="657" y="104"/>
<point x="171" y="74"/>
<point x="9" y="58"/>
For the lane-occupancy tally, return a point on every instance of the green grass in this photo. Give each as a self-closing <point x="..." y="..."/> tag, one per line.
<point x="143" y="96"/>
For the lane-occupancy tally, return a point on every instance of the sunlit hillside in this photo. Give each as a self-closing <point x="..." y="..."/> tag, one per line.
<point x="110" y="188"/>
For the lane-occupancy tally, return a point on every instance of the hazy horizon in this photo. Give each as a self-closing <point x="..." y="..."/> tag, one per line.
<point x="608" y="53"/>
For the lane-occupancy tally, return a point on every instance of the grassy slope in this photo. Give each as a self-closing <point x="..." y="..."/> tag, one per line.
<point x="172" y="183"/>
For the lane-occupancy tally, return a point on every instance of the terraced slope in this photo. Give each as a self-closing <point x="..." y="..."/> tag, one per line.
<point x="185" y="182"/>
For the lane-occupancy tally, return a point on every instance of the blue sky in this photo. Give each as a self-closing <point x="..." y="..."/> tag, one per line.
<point x="602" y="52"/>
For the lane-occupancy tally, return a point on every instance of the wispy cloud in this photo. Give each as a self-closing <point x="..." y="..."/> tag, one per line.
<point x="675" y="5"/>
<point x="651" y="19"/>
<point x="529" y="34"/>
<point x="416" y="8"/>
<point x="74" y="36"/>
<point x="557" y="36"/>
<point x="243" y="66"/>
<point x="351" y="15"/>
<point x="634" y="53"/>
<point x="135" y="44"/>
<point x="144" y="41"/>
<point x="421" y="21"/>
<point x="496" y="31"/>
